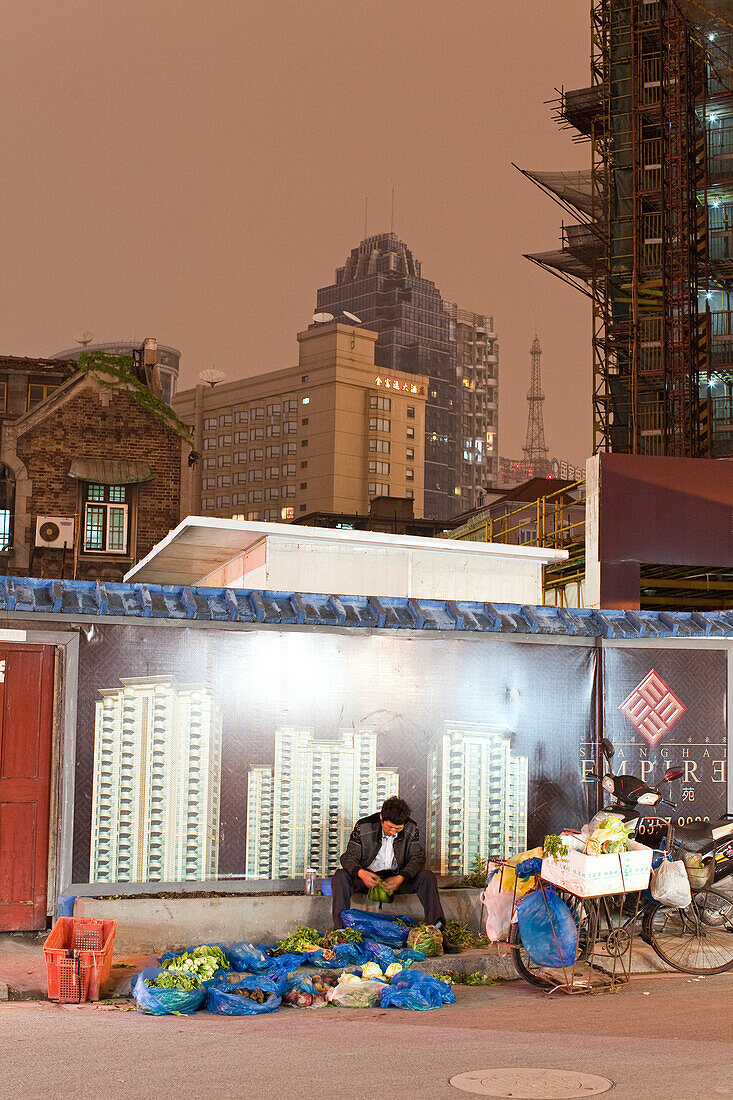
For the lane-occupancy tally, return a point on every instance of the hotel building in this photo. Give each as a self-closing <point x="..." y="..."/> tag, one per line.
<point x="328" y="435"/>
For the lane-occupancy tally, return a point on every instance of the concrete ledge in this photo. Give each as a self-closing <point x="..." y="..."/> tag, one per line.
<point x="159" y="924"/>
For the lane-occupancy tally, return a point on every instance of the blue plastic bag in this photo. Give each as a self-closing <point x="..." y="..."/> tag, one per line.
<point x="378" y="953"/>
<point x="382" y="929"/>
<point x="302" y="984"/>
<point x="549" y="933"/>
<point x="531" y="866"/>
<point x="417" y="991"/>
<point x="410" y="955"/>
<point x="246" y="957"/>
<point x="288" y="962"/>
<point x="344" y="954"/>
<point x="224" y="1002"/>
<point x="165" y="1002"/>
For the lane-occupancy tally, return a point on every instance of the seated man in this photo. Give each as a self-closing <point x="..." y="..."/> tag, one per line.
<point x="386" y="845"/>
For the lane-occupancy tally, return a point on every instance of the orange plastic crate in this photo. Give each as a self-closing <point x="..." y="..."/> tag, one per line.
<point x="78" y="954"/>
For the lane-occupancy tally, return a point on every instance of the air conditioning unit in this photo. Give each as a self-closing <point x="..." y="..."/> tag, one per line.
<point x="55" y="532"/>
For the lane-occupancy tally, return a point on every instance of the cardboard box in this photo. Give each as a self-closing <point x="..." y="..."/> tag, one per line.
<point x="593" y="876"/>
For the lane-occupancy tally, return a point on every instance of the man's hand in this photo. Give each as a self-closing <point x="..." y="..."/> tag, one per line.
<point x="368" y="878"/>
<point x="394" y="883"/>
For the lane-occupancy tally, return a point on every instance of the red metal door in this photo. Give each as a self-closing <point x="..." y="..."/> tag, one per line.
<point x="26" y="715"/>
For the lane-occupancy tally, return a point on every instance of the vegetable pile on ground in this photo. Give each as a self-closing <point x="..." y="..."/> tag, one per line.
<point x="256" y="995"/>
<point x="174" y="980"/>
<point x="300" y="942"/>
<point x="426" y="938"/>
<point x="203" y="962"/>
<point x="342" y="935"/>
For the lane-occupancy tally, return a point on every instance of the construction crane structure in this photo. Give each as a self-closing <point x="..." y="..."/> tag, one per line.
<point x="536" y="463"/>
<point x="650" y="240"/>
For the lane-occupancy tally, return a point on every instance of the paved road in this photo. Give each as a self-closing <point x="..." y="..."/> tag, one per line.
<point x="663" y="1037"/>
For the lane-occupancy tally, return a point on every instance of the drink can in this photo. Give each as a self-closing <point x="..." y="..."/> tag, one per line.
<point x="311" y="876"/>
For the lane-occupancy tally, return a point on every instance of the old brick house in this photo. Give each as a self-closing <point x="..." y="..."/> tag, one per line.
<point x="93" y="446"/>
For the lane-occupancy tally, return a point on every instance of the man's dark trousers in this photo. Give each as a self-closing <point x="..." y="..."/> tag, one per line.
<point x="423" y="884"/>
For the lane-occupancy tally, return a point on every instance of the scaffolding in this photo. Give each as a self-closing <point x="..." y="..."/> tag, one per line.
<point x="652" y="243"/>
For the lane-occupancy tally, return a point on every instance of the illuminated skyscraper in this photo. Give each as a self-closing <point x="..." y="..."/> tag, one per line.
<point x="477" y="797"/>
<point x="157" y="775"/>
<point x="319" y="789"/>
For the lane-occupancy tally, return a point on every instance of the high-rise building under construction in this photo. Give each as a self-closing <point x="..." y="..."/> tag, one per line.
<point x="651" y="236"/>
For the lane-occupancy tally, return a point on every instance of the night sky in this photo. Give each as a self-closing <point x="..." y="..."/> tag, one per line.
<point x="195" y="170"/>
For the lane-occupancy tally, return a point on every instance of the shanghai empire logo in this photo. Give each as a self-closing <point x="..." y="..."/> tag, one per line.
<point x="653" y="708"/>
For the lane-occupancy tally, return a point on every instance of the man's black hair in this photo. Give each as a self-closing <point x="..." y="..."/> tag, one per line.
<point x="395" y="810"/>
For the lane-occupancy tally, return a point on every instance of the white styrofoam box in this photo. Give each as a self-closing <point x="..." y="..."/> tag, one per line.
<point x="593" y="876"/>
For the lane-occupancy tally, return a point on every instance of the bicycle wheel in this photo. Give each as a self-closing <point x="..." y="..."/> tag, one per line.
<point x="542" y="976"/>
<point x="695" y="940"/>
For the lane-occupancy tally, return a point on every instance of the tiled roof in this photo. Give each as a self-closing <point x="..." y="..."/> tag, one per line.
<point x="72" y="599"/>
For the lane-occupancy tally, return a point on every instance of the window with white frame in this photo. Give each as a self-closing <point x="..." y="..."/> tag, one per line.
<point x="106" y="518"/>
<point x="382" y="403"/>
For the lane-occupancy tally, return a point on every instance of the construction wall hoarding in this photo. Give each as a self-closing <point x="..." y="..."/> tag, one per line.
<point x="212" y="753"/>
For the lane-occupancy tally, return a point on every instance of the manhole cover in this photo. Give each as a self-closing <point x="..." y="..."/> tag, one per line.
<point x="531" y="1084"/>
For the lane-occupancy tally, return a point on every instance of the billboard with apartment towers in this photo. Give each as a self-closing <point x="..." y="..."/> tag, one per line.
<point x="220" y="753"/>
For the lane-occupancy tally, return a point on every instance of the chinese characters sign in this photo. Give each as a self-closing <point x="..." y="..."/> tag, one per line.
<point x="396" y="384"/>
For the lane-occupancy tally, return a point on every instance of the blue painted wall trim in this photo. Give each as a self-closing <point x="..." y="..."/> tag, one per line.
<point x="71" y="599"/>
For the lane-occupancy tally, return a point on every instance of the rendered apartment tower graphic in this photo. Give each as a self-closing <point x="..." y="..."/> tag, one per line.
<point x="477" y="797"/>
<point x="301" y="811"/>
<point x="157" y="778"/>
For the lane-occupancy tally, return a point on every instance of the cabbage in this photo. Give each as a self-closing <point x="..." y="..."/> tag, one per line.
<point x="392" y="969"/>
<point x="371" y="970"/>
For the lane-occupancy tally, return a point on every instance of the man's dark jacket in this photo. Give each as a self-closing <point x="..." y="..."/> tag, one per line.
<point x="366" y="840"/>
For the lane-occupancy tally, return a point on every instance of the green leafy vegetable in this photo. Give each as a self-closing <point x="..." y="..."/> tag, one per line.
<point x="379" y="892"/>
<point x="300" y="942"/>
<point x="555" y="847"/>
<point x="426" y="938"/>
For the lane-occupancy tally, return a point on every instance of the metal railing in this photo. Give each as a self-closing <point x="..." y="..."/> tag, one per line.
<point x="547" y="522"/>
